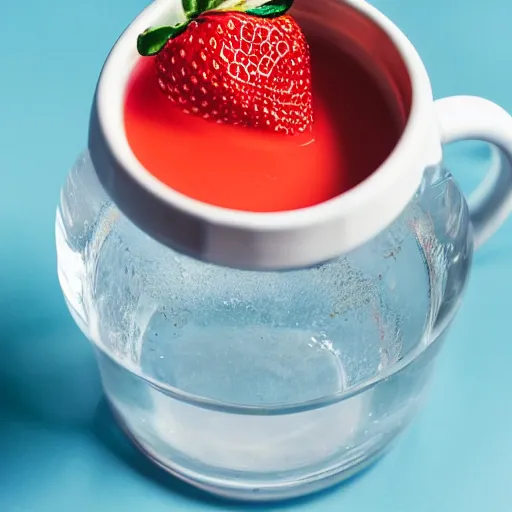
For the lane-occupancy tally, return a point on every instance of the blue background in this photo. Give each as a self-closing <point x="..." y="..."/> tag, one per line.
<point x="59" y="448"/>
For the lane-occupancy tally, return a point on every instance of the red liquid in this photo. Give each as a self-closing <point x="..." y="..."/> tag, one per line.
<point x="355" y="130"/>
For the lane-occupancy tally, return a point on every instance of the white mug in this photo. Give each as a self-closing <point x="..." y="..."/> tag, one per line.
<point x="308" y="236"/>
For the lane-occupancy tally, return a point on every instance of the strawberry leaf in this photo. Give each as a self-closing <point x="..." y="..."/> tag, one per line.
<point x="153" y="40"/>
<point x="191" y="8"/>
<point x="272" y="9"/>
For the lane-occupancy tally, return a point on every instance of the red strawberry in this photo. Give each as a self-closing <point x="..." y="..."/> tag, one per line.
<point x="243" y="68"/>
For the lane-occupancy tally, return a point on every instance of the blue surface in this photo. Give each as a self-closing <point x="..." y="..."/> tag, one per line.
<point x="59" y="448"/>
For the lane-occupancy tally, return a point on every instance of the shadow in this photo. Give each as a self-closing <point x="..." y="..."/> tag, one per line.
<point x="111" y="436"/>
<point x="48" y="374"/>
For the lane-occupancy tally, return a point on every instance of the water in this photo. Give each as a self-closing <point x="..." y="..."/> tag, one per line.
<point x="256" y="365"/>
<point x="222" y="320"/>
<point x="249" y="338"/>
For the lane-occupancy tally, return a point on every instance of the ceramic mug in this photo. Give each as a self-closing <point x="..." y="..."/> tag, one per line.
<point x="302" y="237"/>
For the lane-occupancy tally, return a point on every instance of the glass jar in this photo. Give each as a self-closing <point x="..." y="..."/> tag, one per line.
<point x="263" y="384"/>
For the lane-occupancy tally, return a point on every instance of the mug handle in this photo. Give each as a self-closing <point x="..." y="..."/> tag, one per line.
<point x="473" y="118"/>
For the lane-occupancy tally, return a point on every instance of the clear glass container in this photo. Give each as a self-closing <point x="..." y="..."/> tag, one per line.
<point x="263" y="385"/>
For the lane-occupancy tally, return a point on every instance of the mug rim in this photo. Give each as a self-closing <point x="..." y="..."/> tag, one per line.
<point x="260" y="240"/>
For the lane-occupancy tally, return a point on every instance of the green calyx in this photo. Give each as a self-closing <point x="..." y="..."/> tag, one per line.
<point x="193" y="8"/>
<point x="154" y="39"/>
<point x="272" y="9"/>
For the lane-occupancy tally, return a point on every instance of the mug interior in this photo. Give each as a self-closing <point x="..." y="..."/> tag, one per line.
<point x="340" y="30"/>
<point x="357" y="34"/>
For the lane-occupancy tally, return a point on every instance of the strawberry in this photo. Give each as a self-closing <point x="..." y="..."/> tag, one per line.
<point x="240" y="62"/>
